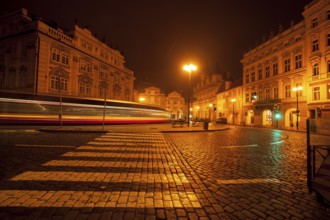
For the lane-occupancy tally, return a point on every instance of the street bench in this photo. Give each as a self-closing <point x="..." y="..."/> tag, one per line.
<point x="177" y="123"/>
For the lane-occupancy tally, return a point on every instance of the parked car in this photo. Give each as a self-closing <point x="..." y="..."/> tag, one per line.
<point x="221" y="121"/>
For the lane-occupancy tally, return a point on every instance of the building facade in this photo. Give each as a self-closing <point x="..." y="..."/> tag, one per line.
<point x="176" y="104"/>
<point x="317" y="29"/>
<point x="204" y="99"/>
<point x="229" y="102"/>
<point x="173" y="101"/>
<point x="288" y="76"/>
<point x="153" y="96"/>
<point x="36" y="56"/>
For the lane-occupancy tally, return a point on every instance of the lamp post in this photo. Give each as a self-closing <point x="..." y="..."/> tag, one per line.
<point x="297" y="89"/>
<point x="233" y="101"/>
<point x="189" y="68"/>
<point x="60" y="115"/>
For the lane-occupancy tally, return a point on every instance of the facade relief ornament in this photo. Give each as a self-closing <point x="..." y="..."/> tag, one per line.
<point x="297" y="49"/>
<point x="60" y="72"/>
<point x="286" y="54"/>
<point x="85" y="79"/>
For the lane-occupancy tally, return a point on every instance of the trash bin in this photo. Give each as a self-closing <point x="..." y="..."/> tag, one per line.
<point x="206" y="125"/>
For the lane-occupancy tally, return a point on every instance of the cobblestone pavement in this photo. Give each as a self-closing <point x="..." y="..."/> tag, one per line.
<point x="262" y="177"/>
<point x="115" y="176"/>
<point x="236" y="173"/>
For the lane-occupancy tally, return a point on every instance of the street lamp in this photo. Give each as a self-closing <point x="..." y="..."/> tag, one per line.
<point x="60" y="115"/>
<point x="233" y="101"/>
<point x="297" y="89"/>
<point x="189" y="68"/>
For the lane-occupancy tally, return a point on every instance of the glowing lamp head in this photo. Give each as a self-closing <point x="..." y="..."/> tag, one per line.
<point x="277" y="115"/>
<point x="190" y="68"/>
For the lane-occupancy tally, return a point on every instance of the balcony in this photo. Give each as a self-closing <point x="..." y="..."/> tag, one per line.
<point x="318" y="77"/>
<point x="267" y="102"/>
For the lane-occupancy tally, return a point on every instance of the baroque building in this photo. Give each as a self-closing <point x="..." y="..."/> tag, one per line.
<point x="173" y="101"/>
<point x="289" y="74"/>
<point x="229" y="102"/>
<point x="317" y="28"/>
<point x="176" y="105"/>
<point x="153" y="96"/>
<point x="204" y="99"/>
<point x="36" y="56"/>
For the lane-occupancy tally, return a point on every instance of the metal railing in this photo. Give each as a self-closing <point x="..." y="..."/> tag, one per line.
<point x="316" y="157"/>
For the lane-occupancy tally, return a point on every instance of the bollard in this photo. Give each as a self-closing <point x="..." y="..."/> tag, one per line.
<point x="206" y="125"/>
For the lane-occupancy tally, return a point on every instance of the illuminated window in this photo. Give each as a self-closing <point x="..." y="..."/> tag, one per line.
<point x="288" y="91"/>
<point x="298" y="61"/>
<point x="316" y="93"/>
<point x="315" y="45"/>
<point x="328" y="91"/>
<point x="287" y="65"/>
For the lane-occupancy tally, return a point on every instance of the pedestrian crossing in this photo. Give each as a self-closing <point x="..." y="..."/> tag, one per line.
<point x="129" y="170"/>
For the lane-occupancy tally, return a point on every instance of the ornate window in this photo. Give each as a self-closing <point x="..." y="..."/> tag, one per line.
<point x="86" y="66"/>
<point x="298" y="61"/>
<point x="287" y="65"/>
<point x="247" y="97"/>
<point x="60" y="56"/>
<point x="56" y="81"/>
<point x="267" y="95"/>
<point x="275" y="69"/>
<point x="253" y="77"/>
<point x="84" y="88"/>
<point x="267" y="71"/>
<point x="314" y="23"/>
<point x="275" y="92"/>
<point x="288" y="91"/>
<point x="260" y="74"/>
<point x="247" y="78"/>
<point x="316" y="69"/>
<point x="315" y="45"/>
<point x="316" y="93"/>
<point x="260" y="95"/>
